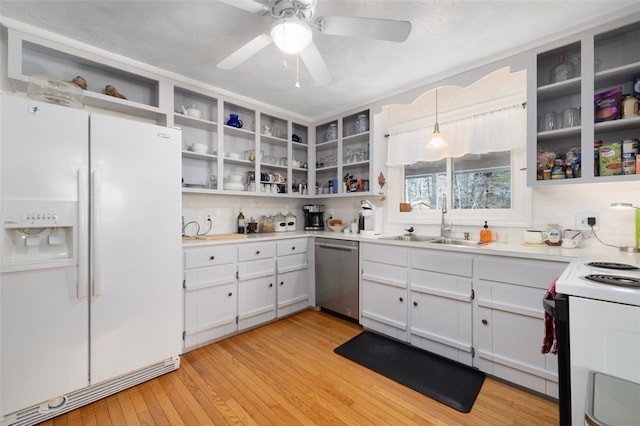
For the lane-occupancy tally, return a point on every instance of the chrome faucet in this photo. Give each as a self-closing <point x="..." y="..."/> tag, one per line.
<point x="443" y="229"/>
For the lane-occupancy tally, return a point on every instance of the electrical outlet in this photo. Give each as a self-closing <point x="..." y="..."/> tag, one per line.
<point x="582" y="223"/>
<point x="208" y="217"/>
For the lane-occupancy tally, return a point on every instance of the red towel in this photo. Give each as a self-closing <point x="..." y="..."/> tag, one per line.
<point x="549" y="343"/>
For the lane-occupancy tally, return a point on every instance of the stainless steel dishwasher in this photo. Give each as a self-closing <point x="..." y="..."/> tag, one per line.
<point x="337" y="276"/>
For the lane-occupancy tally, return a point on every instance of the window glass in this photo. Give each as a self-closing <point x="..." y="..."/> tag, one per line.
<point x="482" y="181"/>
<point x="423" y="182"/>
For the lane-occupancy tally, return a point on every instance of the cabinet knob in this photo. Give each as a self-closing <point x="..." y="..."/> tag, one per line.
<point x="401" y="299"/>
<point x="211" y="257"/>
<point x="485" y="322"/>
<point x="270" y="284"/>
<point x="230" y="294"/>
<point x="293" y="248"/>
<point x="415" y="303"/>
<point x="281" y="282"/>
<point x="257" y="251"/>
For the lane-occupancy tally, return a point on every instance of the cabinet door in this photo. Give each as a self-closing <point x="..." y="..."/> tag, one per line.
<point x="256" y="292"/>
<point x="440" y="314"/>
<point x="384" y="299"/>
<point x="210" y="304"/>
<point x="293" y="294"/>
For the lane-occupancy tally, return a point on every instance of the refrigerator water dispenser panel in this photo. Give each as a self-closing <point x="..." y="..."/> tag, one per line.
<point x="37" y="234"/>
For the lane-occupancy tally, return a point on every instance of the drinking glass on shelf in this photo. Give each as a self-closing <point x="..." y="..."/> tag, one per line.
<point x="571" y="117"/>
<point x="549" y="121"/>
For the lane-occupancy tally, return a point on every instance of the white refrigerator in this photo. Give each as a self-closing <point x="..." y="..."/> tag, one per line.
<point x="90" y="278"/>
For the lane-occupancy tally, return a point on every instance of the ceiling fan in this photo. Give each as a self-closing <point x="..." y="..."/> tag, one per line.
<point x="292" y="32"/>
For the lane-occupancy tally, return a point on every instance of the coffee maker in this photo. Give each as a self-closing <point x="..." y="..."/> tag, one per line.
<point x="370" y="222"/>
<point x="313" y="217"/>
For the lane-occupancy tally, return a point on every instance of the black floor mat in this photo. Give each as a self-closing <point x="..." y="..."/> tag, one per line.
<point x="449" y="382"/>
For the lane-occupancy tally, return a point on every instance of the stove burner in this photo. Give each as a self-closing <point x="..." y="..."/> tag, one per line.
<point x="614" y="280"/>
<point x="613" y="265"/>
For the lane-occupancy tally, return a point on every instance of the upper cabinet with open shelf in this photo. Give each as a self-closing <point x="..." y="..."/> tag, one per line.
<point x="568" y="129"/>
<point x="30" y="55"/>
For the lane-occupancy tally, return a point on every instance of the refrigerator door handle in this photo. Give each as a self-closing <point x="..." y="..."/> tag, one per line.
<point x="83" y="234"/>
<point x="96" y="207"/>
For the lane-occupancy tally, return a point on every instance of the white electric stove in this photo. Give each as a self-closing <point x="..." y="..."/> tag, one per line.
<point x="603" y="298"/>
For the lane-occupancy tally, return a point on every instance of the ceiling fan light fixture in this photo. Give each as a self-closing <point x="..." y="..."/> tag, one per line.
<point x="291" y="35"/>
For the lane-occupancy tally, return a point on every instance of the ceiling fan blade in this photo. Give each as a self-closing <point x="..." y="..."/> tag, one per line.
<point x="379" y="29"/>
<point x="315" y="64"/>
<point x="245" y="52"/>
<point x="248" y="5"/>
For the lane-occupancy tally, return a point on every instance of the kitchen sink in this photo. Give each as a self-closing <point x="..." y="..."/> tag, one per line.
<point x="435" y="240"/>
<point x="456" y="242"/>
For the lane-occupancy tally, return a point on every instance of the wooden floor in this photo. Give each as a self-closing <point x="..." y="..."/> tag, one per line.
<point x="285" y="373"/>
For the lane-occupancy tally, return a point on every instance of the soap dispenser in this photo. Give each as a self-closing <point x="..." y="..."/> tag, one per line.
<point x="485" y="234"/>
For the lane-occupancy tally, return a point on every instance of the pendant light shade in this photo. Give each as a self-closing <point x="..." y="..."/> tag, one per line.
<point x="291" y="35"/>
<point x="436" y="141"/>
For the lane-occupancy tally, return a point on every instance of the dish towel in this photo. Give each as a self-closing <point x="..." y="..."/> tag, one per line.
<point x="549" y="342"/>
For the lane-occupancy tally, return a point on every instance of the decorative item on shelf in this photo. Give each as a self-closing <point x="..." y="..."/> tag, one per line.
<point x="563" y="70"/>
<point x="266" y="130"/>
<point x="405" y="207"/>
<point x="361" y="124"/>
<point x="51" y="90"/>
<point x="347" y="182"/>
<point x="192" y="111"/>
<point x="80" y="82"/>
<point x="234" y="121"/>
<point x="296" y="138"/>
<point x="332" y="132"/>
<point x="112" y="91"/>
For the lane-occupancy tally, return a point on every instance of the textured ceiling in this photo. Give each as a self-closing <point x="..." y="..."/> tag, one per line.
<point x="191" y="37"/>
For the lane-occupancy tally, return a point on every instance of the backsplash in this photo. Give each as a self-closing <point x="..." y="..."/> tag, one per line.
<point x="556" y="204"/>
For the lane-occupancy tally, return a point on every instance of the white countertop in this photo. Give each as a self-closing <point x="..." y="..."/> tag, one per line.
<point x="513" y="249"/>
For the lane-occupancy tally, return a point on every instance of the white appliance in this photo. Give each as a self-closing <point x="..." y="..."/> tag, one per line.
<point x="372" y="218"/>
<point x="90" y="297"/>
<point x="604" y="337"/>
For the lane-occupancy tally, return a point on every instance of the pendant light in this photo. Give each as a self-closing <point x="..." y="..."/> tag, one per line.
<point x="436" y="141"/>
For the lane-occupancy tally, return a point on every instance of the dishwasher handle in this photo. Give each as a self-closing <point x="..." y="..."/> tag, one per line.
<point x="337" y="247"/>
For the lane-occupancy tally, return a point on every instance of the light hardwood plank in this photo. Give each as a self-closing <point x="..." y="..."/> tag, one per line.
<point x="286" y="373"/>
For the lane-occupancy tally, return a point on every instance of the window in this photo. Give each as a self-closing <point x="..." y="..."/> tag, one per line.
<point x="423" y="181"/>
<point x="482" y="181"/>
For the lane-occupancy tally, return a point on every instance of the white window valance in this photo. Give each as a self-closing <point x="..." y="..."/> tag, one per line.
<point x="488" y="116"/>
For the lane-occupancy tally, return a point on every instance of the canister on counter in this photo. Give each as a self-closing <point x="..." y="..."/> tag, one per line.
<point x="629" y="154"/>
<point x="611" y="159"/>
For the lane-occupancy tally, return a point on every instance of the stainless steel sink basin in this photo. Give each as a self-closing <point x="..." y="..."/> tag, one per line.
<point x="456" y="242"/>
<point x="435" y="240"/>
<point x="414" y="238"/>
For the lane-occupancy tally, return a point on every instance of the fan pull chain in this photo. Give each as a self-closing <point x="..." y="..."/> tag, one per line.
<point x="297" y="71"/>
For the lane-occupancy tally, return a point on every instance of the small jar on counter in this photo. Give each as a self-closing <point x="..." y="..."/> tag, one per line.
<point x="266" y="225"/>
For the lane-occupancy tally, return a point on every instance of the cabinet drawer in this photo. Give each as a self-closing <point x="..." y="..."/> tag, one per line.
<point x="388" y="274"/>
<point x="293" y="246"/>
<point x="532" y="273"/>
<point x="293" y="262"/>
<point x="256" y="251"/>
<point x="209" y="256"/>
<point x="384" y="254"/>
<point x="445" y="263"/>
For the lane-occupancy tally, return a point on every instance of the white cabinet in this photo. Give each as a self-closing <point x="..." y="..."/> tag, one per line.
<point x="509" y="321"/>
<point x="384" y="289"/>
<point x="603" y="59"/>
<point x="210" y="294"/>
<point x="440" y="309"/>
<point x="31" y="55"/>
<point x="342" y="152"/>
<point x="256" y="283"/>
<point x="293" y="276"/>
